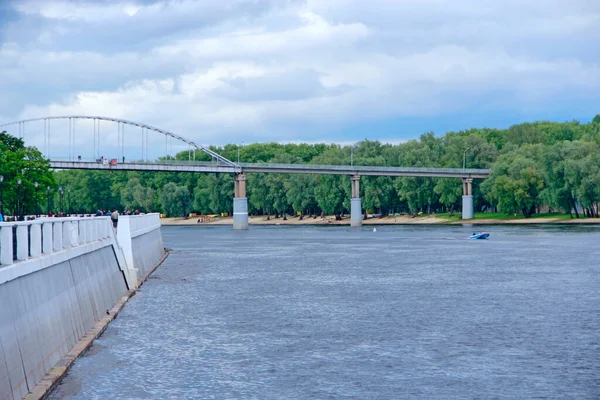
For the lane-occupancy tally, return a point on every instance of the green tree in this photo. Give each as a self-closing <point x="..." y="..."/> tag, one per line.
<point x="134" y="196"/>
<point x="517" y="180"/>
<point x="300" y="193"/>
<point x="26" y="164"/>
<point x="175" y="199"/>
<point x="258" y="193"/>
<point x="450" y="191"/>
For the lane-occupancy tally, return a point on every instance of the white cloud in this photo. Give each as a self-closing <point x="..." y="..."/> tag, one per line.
<point x="289" y="71"/>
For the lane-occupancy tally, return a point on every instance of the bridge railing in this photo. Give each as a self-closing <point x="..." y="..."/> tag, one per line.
<point x="362" y="168"/>
<point x="301" y="166"/>
<point x="107" y="161"/>
<point x="20" y="241"/>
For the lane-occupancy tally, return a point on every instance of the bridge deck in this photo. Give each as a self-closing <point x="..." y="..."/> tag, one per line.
<point x="204" y="167"/>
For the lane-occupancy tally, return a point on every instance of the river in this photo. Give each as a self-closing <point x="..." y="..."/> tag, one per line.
<point x="415" y="312"/>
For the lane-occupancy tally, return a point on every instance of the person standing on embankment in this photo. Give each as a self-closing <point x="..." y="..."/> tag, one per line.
<point x="114" y="217"/>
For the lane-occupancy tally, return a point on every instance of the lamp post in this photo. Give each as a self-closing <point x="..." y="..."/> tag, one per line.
<point x="48" y="196"/>
<point x="19" y="181"/>
<point x="69" y="201"/>
<point x="37" y="200"/>
<point x="465" y="157"/>
<point x="60" y="193"/>
<point x="239" y="151"/>
<point x="1" y="197"/>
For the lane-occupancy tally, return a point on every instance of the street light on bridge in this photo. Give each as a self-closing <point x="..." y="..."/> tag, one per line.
<point x="1" y="198"/>
<point x="48" y="197"/>
<point x="37" y="199"/>
<point x="60" y="194"/>
<point x="238" y="151"/>
<point x="19" y="181"/>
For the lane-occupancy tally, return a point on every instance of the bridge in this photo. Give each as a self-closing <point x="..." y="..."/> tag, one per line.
<point x="219" y="164"/>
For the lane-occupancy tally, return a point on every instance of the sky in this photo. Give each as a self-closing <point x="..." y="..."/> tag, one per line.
<point x="232" y="71"/>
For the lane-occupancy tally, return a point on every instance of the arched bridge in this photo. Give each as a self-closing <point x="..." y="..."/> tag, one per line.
<point x="132" y="145"/>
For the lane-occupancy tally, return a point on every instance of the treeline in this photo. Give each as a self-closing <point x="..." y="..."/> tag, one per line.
<point x="533" y="164"/>
<point x="25" y="177"/>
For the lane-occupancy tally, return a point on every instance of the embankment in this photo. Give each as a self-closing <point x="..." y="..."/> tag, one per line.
<point x="58" y="278"/>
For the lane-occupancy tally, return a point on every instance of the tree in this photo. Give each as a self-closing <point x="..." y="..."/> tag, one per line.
<point x="202" y="196"/>
<point x="450" y="191"/>
<point x="26" y="164"/>
<point x="134" y="196"/>
<point x="258" y="193"/>
<point x="175" y="199"/>
<point x="517" y="180"/>
<point x="300" y="193"/>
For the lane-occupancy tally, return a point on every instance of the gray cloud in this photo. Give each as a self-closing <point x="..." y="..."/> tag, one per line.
<point x="106" y="27"/>
<point x="267" y="70"/>
<point x="286" y="86"/>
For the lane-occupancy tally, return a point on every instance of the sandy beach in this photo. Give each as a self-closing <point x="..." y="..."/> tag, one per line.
<point x="399" y="220"/>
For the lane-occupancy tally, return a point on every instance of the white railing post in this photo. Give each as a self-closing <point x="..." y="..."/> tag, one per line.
<point x="6" y="245"/>
<point x="73" y="225"/>
<point x="81" y="229"/>
<point x="97" y="226"/>
<point x="66" y="234"/>
<point x="35" y="247"/>
<point x="47" y="235"/>
<point x="22" y="243"/>
<point x="93" y="230"/>
<point x="96" y="229"/>
<point x="89" y="229"/>
<point x="57" y="235"/>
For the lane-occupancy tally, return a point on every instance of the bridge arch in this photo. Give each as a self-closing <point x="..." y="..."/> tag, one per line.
<point x="120" y="124"/>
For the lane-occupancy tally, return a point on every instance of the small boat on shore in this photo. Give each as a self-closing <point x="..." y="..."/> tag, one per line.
<point x="479" y="235"/>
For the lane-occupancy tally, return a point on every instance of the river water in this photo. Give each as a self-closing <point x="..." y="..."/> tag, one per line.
<point x="407" y="312"/>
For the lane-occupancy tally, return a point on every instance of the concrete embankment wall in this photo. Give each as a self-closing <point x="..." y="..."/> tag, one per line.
<point x="141" y="241"/>
<point x="49" y="302"/>
<point x="147" y="248"/>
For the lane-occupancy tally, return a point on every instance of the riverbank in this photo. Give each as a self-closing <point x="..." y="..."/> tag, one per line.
<point x="398" y="220"/>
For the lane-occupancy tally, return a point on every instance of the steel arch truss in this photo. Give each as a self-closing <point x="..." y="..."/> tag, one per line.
<point x="215" y="156"/>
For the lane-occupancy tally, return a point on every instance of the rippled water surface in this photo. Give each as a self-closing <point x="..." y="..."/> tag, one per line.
<point x="338" y="313"/>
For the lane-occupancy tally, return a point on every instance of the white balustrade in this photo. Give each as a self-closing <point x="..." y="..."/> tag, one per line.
<point x="47" y="237"/>
<point x="44" y="236"/>
<point x="6" y="244"/>
<point x="35" y="246"/>
<point x="66" y="235"/>
<point x="57" y="235"/>
<point x="74" y="230"/>
<point x="81" y="231"/>
<point x="22" y="243"/>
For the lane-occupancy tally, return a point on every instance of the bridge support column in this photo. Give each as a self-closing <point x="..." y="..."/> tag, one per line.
<point x="467" y="199"/>
<point x="240" y="203"/>
<point x="356" y="204"/>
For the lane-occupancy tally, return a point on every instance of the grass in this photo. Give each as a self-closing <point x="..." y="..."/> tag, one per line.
<point x="501" y="216"/>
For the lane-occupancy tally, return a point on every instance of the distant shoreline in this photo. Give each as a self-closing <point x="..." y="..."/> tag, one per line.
<point x="400" y="220"/>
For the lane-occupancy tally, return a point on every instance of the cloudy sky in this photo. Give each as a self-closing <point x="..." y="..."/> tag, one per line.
<point x="221" y="71"/>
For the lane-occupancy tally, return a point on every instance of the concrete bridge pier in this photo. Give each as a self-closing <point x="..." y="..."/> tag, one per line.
<point x="467" y="199"/>
<point x="240" y="203"/>
<point x="356" y="204"/>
